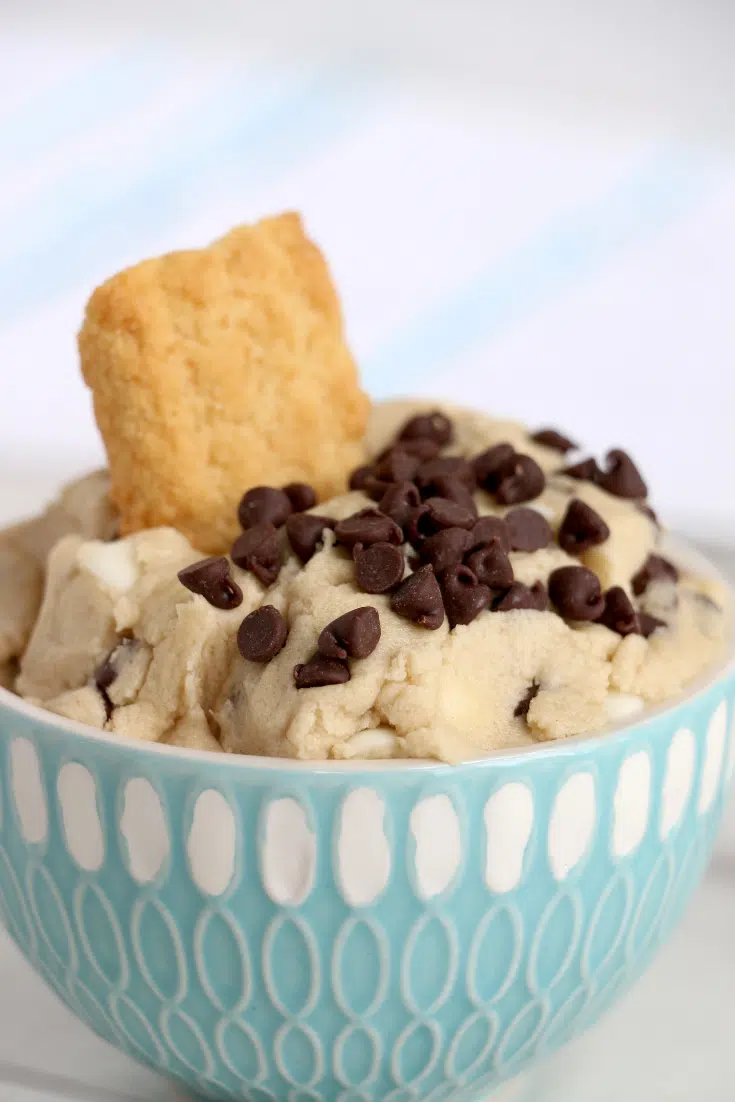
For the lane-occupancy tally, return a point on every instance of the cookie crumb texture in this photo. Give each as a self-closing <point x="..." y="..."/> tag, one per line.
<point x="218" y="369"/>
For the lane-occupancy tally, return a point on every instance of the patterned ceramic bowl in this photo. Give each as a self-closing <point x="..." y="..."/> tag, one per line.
<point x="271" y="930"/>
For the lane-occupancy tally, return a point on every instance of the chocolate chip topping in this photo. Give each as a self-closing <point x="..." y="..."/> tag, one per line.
<point x="379" y="567"/>
<point x="264" y="503"/>
<point x="446" y="548"/>
<point x="490" y="530"/>
<point x="618" y="613"/>
<point x="581" y="528"/>
<point x="396" y="465"/>
<point x="262" y="634"/>
<point x="366" y="527"/>
<point x="305" y="532"/>
<point x="210" y="578"/>
<point x="621" y="476"/>
<point x="356" y="634"/>
<point x="320" y="671"/>
<point x="527" y="530"/>
<point x="492" y="566"/>
<point x="487" y="465"/>
<point x="521" y="596"/>
<point x="434" y="426"/>
<point x="655" y="569"/>
<point x="257" y="550"/>
<point x="464" y="596"/>
<point x="442" y="513"/>
<point x="521" y="708"/>
<point x="419" y="599"/>
<point x="584" y="471"/>
<point x="519" y="479"/>
<point x="447" y="466"/>
<point x="399" y="501"/>
<point x="360" y="476"/>
<point x="422" y="447"/>
<point x="647" y="624"/>
<point x="301" y="495"/>
<point x="551" y="438"/>
<point x="576" y="592"/>
<point x="454" y="490"/>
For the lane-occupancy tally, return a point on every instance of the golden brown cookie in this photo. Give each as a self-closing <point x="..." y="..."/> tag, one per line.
<point x="218" y="369"/>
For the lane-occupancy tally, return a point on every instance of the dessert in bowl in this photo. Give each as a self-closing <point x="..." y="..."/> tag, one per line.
<point x="401" y="793"/>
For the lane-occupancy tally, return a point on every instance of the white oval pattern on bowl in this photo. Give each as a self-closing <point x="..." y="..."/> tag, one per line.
<point x="144" y="830"/>
<point x="363" y="854"/>
<point x="80" y="816"/>
<point x="508" y="825"/>
<point x="572" y="825"/>
<point x="29" y="794"/>
<point x="631" y="804"/>
<point x="713" y="758"/>
<point x="287" y="852"/>
<point x="212" y="843"/>
<point x="678" y="780"/>
<point x="435" y="829"/>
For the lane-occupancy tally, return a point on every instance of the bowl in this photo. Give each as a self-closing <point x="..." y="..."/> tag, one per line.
<point x="266" y="929"/>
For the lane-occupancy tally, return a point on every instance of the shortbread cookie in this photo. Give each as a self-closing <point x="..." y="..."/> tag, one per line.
<point x="219" y="369"/>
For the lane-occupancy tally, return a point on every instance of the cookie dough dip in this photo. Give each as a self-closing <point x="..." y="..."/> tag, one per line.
<point x="272" y="567"/>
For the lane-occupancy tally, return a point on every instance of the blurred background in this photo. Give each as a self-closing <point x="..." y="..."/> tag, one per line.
<point x="527" y="206"/>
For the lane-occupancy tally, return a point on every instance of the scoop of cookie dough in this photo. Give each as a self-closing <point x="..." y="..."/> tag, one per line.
<point x="83" y="507"/>
<point x="121" y="644"/>
<point x="219" y="369"/>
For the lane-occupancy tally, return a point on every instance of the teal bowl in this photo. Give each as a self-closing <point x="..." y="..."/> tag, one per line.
<point x="262" y="929"/>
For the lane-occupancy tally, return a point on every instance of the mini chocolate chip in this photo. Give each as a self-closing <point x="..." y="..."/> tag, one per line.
<point x="379" y="567"/>
<point x="376" y="488"/>
<point x="264" y="503"/>
<point x="396" y="465"/>
<point x="210" y="578"/>
<point x="551" y="438"/>
<point x="446" y="466"/>
<point x="366" y="527"/>
<point x="422" y="447"/>
<point x="520" y="479"/>
<point x="647" y="624"/>
<point x="655" y="569"/>
<point x="489" y="530"/>
<point x="301" y="495"/>
<point x="584" y="471"/>
<point x="621" y="476"/>
<point x="257" y="550"/>
<point x="521" y="708"/>
<point x="417" y="527"/>
<point x="453" y="490"/>
<point x="492" y="566"/>
<point x="581" y="528"/>
<point x="443" y="513"/>
<point x="521" y="596"/>
<point x="527" y="530"/>
<point x="262" y="634"/>
<point x="576" y="592"/>
<point x="355" y="634"/>
<point x="359" y="477"/>
<point x="108" y="671"/>
<point x="618" y="613"/>
<point x="435" y="426"/>
<point x="419" y="599"/>
<point x="487" y="465"/>
<point x="320" y="671"/>
<point x="305" y="533"/>
<point x="444" y="549"/>
<point x="464" y="596"/>
<point x="399" y="501"/>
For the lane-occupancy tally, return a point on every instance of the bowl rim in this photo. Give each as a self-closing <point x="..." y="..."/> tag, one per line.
<point x="10" y="702"/>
